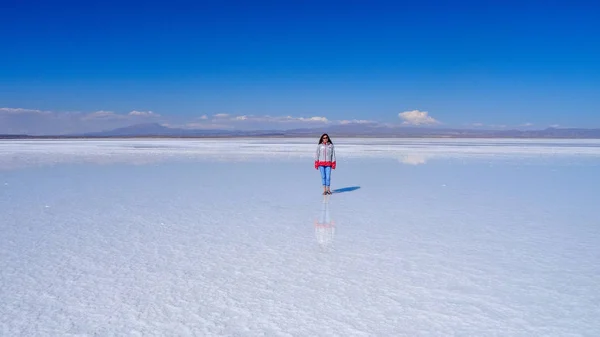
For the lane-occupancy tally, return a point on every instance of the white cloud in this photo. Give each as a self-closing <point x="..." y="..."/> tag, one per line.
<point x="253" y="122"/>
<point x="268" y="119"/>
<point x="313" y="119"/>
<point x="288" y="119"/>
<point x="22" y="111"/>
<point x="102" y="114"/>
<point x="416" y="117"/>
<point x="501" y="126"/>
<point x="143" y="113"/>
<point x="110" y="115"/>
<point x="356" y="121"/>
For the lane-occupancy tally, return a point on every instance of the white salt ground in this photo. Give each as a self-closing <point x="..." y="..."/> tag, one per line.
<point x="232" y="238"/>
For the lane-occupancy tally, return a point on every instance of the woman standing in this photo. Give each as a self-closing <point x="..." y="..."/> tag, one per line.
<point x="325" y="161"/>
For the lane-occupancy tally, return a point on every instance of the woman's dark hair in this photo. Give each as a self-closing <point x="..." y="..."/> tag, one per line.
<point x="323" y="135"/>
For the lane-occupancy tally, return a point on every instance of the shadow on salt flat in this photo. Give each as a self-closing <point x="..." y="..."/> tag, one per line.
<point x="346" y="189"/>
<point x="324" y="226"/>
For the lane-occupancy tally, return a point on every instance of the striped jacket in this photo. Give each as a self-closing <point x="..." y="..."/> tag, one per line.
<point x="325" y="155"/>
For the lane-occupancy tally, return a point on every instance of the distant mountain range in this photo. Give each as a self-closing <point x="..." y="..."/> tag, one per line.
<point x="348" y="130"/>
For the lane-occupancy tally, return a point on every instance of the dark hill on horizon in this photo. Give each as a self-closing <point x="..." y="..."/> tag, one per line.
<point x="348" y="130"/>
<point x="148" y="130"/>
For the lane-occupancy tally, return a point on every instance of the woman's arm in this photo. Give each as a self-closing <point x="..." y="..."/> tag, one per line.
<point x="333" y="164"/>
<point x="317" y="157"/>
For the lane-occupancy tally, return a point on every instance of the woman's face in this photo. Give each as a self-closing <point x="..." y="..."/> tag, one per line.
<point x="325" y="139"/>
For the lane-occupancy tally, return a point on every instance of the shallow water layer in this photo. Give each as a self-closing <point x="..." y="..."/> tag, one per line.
<point x="100" y="239"/>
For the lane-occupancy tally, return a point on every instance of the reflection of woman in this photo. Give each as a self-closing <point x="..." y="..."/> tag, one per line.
<point x="325" y="161"/>
<point x="324" y="228"/>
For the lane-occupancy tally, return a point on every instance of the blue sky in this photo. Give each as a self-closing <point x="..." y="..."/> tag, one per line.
<point x="68" y="66"/>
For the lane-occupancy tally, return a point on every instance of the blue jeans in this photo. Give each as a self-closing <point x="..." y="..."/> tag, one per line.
<point x="325" y="175"/>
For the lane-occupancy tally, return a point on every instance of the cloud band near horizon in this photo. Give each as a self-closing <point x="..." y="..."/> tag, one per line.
<point x="44" y="122"/>
<point x="41" y="122"/>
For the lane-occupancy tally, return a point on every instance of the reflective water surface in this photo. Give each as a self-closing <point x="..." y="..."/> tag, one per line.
<point x="420" y="237"/>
